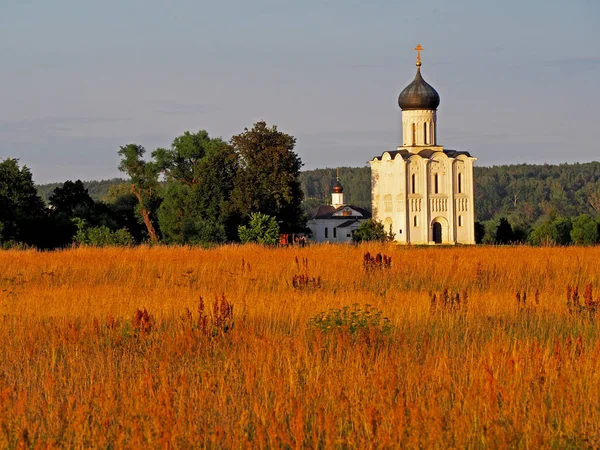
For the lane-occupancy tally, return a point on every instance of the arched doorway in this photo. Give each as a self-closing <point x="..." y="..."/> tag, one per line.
<point x="437" y="232"/>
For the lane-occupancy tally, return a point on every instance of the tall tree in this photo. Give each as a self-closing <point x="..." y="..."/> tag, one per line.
<point x="70" y="197"/>
<point x="199" y="171"/>
<point x="267" y="180"/>
<point x="144" y="183"/>
<point x="586" y="230"/>
<point x="22" y="211"/>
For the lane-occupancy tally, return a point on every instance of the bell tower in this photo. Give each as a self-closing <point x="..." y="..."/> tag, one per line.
<point x="337" y="194"/>
<point x="419" y="102"/>
<point x="422" y="191"/>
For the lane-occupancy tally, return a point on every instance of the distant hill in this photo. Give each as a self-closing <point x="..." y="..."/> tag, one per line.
<point x="522" y="192"/>
<point x="98" y="190"/>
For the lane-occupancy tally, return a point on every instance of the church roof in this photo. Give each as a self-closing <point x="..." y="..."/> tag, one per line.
<point x="425" y="153"/>
<point x="419" y="94"/>
<point x="328" y="212"/>
<point x="348" y="223"/>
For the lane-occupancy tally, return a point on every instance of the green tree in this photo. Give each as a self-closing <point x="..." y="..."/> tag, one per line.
<point x="372" y="231"/>
<point x="144" y="184"/>
<point x="553" y="231"/>
<point x="200" y="173"/>
<point x="504" y="232"/>
<point x="70" y="197"/>
<point x="22" y="211"/>
<point x="267" y="180"/>
<point x="586" y="230"/>
<point x="479" y="232"/>
<point x="67" y="201"/>
<point x="262" y="229"/>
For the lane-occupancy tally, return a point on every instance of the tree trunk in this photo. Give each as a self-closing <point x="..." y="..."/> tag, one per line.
<point x="145" y="215"/>
<point x="149" y="225"/>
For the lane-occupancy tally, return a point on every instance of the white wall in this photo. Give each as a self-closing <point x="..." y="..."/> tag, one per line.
<point x="393" y="180"/>
<point x="317" y="226"/>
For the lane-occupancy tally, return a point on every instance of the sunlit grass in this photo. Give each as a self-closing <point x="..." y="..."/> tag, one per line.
<point x="77" y="368"/>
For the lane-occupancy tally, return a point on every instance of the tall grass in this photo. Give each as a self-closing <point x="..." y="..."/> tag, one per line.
<point x="135" y="348"/>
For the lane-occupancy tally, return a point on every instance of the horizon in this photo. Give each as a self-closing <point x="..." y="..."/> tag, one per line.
<point x="83" y="79"/>
<point x="332" y="168"/>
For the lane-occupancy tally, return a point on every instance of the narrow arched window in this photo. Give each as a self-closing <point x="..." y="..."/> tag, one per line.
<point x="460" y="183"/>
<point x="415" y="221"/>
<point x="413" y="183"/>
<point x="334" y="232"/>
<point x="326" y="232"/>
<point x="387" y="202"/>
<point x="460" y="221"/>
<point x="436" y="182"/>
<point x="425" y="140"/>
<point x="414" y="134"/>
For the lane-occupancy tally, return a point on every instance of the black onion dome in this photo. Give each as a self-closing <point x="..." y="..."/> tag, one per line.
<point x="337" y="188"/>
<point x="419" y="95"/>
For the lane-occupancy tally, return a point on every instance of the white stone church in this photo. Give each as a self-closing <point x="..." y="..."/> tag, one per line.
<point x="421" y="190"/>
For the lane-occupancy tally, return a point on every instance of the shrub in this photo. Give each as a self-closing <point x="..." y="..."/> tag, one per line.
<point x="586" y="230"/>
<point x="262" y="229"/>
<point x="101" y="236"/>
<point x="352" y="320"/>
<point x="555" y="231"/>
<point x="372" y="231"/>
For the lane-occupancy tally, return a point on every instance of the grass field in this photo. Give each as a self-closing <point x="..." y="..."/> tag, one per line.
<point x="108" y="348"/>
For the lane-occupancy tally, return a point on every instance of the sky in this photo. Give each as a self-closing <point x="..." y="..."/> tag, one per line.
<point x="518" y="79"/>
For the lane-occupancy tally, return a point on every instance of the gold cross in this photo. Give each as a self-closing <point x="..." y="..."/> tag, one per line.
<point x="418" y="48"/>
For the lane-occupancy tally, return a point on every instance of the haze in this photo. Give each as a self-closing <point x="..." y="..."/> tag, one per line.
<point x="518" y="80"/>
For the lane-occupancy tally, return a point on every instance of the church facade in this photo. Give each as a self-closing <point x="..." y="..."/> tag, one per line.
<point x="421" y="191"/>
<point x="336" y="223"/>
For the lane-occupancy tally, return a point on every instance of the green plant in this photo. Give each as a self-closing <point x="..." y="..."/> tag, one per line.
<point x="355" y="319"/>
<point x="100" y="236"/>
<point x="372" y="231"/>
<point x="262" y="229"/>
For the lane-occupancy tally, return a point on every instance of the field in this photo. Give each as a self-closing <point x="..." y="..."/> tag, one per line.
<point x="483" y="348"/>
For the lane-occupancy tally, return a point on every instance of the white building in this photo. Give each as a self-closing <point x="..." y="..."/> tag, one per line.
<point x="336" y="222"/>
<point x="425" y="192"/>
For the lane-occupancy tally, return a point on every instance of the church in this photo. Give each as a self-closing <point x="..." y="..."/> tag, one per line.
<point x="421" y="191"/>
<point x="338" y="221"/>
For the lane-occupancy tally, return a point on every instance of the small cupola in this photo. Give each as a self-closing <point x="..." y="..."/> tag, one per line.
<point x="337" y="194"/>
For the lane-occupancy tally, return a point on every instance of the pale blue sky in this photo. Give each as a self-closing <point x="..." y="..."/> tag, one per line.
<point x="518" y="79"/>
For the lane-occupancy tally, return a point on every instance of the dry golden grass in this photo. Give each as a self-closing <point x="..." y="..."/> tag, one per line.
<point x="77" y="369"/>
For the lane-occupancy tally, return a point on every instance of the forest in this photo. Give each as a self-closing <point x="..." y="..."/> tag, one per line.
<point x="511" y="201"/>
<point x="519" y="192"/>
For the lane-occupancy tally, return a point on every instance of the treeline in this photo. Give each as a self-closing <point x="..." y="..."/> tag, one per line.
<point x="98" y="190"/>
<point x="514" y="203"/>
<point x="539" y="204"/>
<point x="201" y="190"/>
